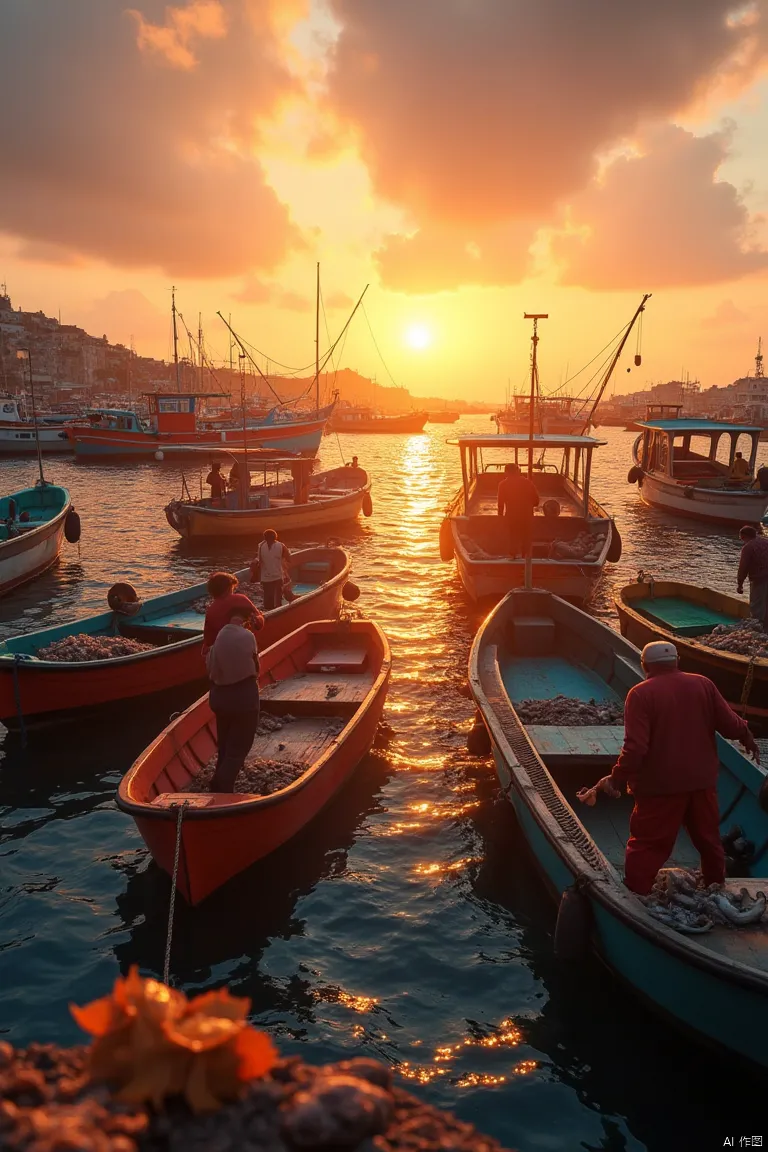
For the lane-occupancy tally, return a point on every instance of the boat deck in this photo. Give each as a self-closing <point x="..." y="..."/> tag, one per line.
<point x="542" y="677"/>
<point x="486" y="504"/>
<point x="685" y="617"/>
<point x="313" y="687"/>
<point x="189" y="620"/>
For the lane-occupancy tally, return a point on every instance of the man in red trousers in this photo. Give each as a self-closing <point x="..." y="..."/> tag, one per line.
<point x="669" y="763"/>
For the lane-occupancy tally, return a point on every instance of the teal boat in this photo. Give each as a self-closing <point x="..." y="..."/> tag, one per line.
<point x="535" y="646"/>
<point x="32" y="525"/>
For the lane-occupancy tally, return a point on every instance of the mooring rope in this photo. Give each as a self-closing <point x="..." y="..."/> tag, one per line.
<point x="179" y="818"/>
<point x="747" y="685"/>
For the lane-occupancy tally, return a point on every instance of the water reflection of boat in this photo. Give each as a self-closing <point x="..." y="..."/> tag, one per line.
<point x="303" y="502"/>
<point x="535" y="646"/>
<point x="475" y="535"/>
<point x="37" y="687"/>
<point x="32" y="523"/>
<point x="685" y="614"/>
<point x="332" y="679"/>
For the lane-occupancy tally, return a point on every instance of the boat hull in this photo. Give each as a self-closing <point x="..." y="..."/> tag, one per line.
<point x="15" y="442"/>
<point x="303" y="438"/>
<point x="387" y="424"/>
<point x="45" y="690"/>
<point x="734" y="508"/>
<point x="25" y="557"/>
<point x="198" y="523"/>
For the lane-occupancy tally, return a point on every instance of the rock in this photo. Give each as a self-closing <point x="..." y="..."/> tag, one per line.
<point x="337" y="1111"/>
<point x="362" y="1068"/>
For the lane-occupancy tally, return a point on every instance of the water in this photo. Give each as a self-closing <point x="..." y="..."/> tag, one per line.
<point x="409" y="923"/>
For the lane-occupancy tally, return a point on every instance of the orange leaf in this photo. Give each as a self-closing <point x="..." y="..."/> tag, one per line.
<point x="202" y="1033"/>
<point x="257" y="1053"/>
<point x="97" y="1017"/>
<point x="220" y="1003"/>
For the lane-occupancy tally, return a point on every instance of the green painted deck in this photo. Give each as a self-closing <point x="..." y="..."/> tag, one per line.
<point x="680" y="615"/>
<point x="542" y="677"/>
<point x="558" y="744"/>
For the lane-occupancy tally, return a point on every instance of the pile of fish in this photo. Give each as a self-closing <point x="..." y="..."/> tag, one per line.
<point x="246" y="587"/>
<point x="746" y="638"/>
<point x="81" y="647"/>
<point x="680" y="900"/>
<point x="585" y="546"/>
<point x="260" y="777"/>
<point x="567" y="711"/>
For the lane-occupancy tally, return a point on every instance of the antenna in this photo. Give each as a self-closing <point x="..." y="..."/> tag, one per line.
<point x="759" y="359"/>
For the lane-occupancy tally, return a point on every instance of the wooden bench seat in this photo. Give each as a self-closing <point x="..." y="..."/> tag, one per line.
<point x="332" y="688"/>
<point x="338" y="660"/>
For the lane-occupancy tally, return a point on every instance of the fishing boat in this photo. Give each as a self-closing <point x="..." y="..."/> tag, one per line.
<point x="173" y="426"/>
<point x="366" y="420"/>
<point x="33" y="522"/>
<point x="305" y="502"/>
<point x="676" y="467"/>
<point x="442" y="416"/>
<point x="323" y="672"/>
<point x="560" y="470"/>
<point x="684" y="615"/>
<point x="552" y="415"/>
<point x="536" y="646"/>
<point x="17" y="430"/>
<point x="33" y="687"/>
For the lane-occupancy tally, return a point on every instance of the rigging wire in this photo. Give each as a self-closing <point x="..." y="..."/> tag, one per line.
<point x="386" y="369"/>
<point x="614" y="340"/>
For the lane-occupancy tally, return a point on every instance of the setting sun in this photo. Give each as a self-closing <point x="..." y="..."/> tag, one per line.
<point x="418" y="336"/>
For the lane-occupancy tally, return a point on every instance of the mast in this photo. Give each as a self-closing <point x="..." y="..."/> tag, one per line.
<point x="615" y="360"/>
<point x="200" y="347"/>
<point x="759" y="359"/>
<point x="535" y="316"/>
<point x="317" y="342"/>
<point x="131" y="354"/>
<point x="175" y="340"/>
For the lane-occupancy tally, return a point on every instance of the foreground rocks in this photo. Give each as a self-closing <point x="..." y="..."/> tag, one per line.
<point x="48" y="1104"/>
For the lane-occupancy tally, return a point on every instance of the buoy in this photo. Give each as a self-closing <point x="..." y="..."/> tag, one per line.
<point x="638" y="359"/>
<point x="159" y="455"/>
<point x="634" y="474"/>
<point x="72" y="526"/>
<point x="551" y="508"/>
<point x="350" y="591"/>
<point x="614" y="552"/>
<point x="123" y="598"/>
<point x="367" y="504"/>
<point x="478" y="740"/>
<point x="446" y="540"/>
<point x="574" y="918"/>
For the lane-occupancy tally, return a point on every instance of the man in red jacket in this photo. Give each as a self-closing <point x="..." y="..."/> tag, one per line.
<point x="517" y="498"/>
<point x="669" y="763"/>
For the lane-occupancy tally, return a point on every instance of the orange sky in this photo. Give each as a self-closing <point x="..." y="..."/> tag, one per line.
<point x="469" y="160"/>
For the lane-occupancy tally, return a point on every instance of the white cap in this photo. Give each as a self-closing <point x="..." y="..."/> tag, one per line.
<point x="659" y="652"/>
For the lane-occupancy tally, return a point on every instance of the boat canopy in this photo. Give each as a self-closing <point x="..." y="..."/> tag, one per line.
<point x="701" y="427"/>
<point x="521" y="440"/>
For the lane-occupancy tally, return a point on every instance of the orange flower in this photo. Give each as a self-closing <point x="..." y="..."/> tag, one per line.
<point x="154" y="1043"/>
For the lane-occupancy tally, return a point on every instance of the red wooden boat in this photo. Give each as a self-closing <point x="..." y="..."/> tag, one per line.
<point x="325" y="669"/>
<point x="33" y="687"/>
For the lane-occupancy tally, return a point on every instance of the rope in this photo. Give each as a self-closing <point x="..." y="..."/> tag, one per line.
<point x="167" y="965"/>
<point x="17" y="700"/>
<point x="747" y="686"/>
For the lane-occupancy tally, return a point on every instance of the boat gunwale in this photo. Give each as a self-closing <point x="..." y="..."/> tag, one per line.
<point x="677" y="484"/>
<point x="8" y="661"/>
<point x="188" y="507"/>
<point x="606" y="889"/>
<point x="17" y="544"/>
<point x="141" y="809"/>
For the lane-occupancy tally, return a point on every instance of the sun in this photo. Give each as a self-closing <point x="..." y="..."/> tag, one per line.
<point x="418" y="337"/>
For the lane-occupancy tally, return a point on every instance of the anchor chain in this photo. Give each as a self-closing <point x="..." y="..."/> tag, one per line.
<point x="747" y="686"/>
<point x="177" y="853"/>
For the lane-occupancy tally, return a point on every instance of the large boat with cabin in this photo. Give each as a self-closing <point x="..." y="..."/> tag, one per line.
<point x="535" y="647"/>
<point x="18" y="436"/>
<point x="552" y="415"/>
<point x="681" y="466"/>
<point x="174" y="427"/>
<point x="365" y="420"/>
<point x="573" y="535"/>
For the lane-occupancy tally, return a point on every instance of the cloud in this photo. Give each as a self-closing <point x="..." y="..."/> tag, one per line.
<point x="258" y="292"/>
<point x="727" y="315"/>
<point x="476" y="111"/>
<point x="125" y="314"/>
<point x="137" y="137"/>
<point x="662" y="219"/>
<point x="338" y="300"/>
<point x="436" y="259"/>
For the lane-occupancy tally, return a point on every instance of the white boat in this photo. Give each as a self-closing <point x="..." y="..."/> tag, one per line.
<point x="32" y="524"/>
<point x="676" y="468"/>
<point x="17" y="433"/>
<point x="473" y="534"/>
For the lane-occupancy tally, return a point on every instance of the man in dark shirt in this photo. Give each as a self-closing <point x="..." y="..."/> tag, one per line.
<point x="669" y="762"/>
<point x="754" y="564"/>
<point x="221" y="588"/>
<point x="216" y="481"/>
<point x="517" y="498"/>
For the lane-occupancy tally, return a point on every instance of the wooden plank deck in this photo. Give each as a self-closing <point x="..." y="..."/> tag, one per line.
<point x="303" y="739"/>
<point x="314" y="687"/>
<point x="562" y="744"/>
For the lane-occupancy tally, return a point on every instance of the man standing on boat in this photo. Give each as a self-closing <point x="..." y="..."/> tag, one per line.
<point x="754" y="564"/>
<point x="517" y="498"/>
<point x="221" y="588"/>
<point x="233" y="667"/>
<point x="271" y="560"/>
<point x="669" y="762"/>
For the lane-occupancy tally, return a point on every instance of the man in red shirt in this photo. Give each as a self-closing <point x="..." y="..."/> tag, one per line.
<point x="753" y="563"/>
<point x="517" y="499"/>
<point x="669" y="763"/>
<point x="221" y="587"/>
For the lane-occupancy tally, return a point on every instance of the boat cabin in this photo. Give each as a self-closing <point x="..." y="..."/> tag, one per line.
<point x="115" y="420"/>
<point x="10" y="412"/>
<point x="695" y="452"/>
<point x="176" y="411"/>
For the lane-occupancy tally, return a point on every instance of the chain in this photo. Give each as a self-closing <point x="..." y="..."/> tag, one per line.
<point x="747" y="685"/>
<point x="167" y="966"/>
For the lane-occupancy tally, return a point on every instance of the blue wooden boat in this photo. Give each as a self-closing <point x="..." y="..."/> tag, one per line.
<point x="33" y="687"/>
<point x="32" y="523"/>
<point x="536" y="646"/>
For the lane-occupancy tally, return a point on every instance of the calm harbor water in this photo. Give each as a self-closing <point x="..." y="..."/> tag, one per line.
<point x="409" y="924"/>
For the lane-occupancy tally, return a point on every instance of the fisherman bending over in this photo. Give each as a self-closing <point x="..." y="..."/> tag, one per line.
<point x="669" y="762"/>
<point x="517" y="499"/>
<point x="221" y="588"/>
<point x="754" y="564"/>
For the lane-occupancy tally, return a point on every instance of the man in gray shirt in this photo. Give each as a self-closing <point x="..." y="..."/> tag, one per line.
<point x="233" y="668"/>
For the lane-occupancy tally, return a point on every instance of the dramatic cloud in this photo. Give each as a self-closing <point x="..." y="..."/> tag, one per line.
<point x="123" y="315"/>
<point x="130" y="134"/>
<point x="662" y="219"/>
<point x="481" y="111"/>
<point x="255" y="291"/>
<point x="436" y="258"/>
